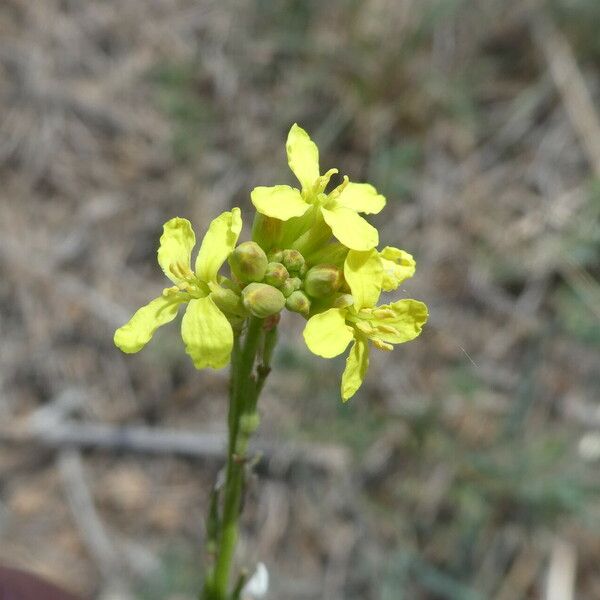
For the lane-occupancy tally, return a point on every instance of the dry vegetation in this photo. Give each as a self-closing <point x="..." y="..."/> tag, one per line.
<point x="467" y="469"/>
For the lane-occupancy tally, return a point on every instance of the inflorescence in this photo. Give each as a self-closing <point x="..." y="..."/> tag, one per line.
<point x="311" y="253"/>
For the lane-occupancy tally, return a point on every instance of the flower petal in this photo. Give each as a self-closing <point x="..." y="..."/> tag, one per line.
<point x="404" y="319"/>
<point x="279" y="201"/>
<point x="363" y="272"/>
<point x="303" y="156"/>
<point x="326" y="334"/>
<point x="207" y="334"/>
<point x="357" y="364"/>
<point x="138" y="331"/>
<point x="218" y="244"/>
<point x="176" y="245"/>
<point x="350" y="228"/>
<point x="361" y="197"/>
<point x="398" y="265"/>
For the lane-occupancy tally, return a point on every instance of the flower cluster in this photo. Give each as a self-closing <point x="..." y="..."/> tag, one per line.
<point x="311" y="253"/>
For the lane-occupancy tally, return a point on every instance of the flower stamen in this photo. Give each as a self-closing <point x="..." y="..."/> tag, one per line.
<point x="382" y="345"/>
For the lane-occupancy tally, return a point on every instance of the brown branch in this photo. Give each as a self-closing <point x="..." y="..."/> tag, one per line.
<point x="571" y="86"/>
<point x="147" y="440"/>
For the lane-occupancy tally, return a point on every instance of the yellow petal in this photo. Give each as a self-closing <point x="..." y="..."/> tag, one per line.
<point x="326" y="334"/>
<point x="218" y="244"/>
<point x="361" y="197"/>
<point x="363" y="272"/>
<point x="350" y="228"/>
<point x="398" y="265"/>
<point x="303" y="156"/>
<point x="279" y="201"/>
<point x="136" y="333"/>
<point x="176" y="245"/>
<point x="357" y="364"/>
<point x="207" y="334"/>
<point x="402" y="321"/>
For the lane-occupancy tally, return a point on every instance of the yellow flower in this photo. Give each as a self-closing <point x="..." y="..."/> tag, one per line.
<point x="339" y="209"/>
<point x="398" y="265"/>
<point x="328" y="334"/>
<point x="359" y="320"/>
<point x="205" y="330"/>
<point x="371" y="272"/>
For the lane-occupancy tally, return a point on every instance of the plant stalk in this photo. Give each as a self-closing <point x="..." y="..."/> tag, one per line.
<point x="243" y="421"/>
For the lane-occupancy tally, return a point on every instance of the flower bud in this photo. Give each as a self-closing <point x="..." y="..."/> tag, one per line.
<point x="276" y="256"/>
<point x="322" y="280"/>
<point x="291" y="285"/>
<point x="298" y="302"/>
<point x="249" y="423"/>
<point x="228" y="301"/>
<point x="276" y="274"/>
<point x="292" y="260"/>
<point x="262" y="300"/>
<point x="248" y="262"/>
<point x="343" y="301"/>
<point x="229" y="284"/>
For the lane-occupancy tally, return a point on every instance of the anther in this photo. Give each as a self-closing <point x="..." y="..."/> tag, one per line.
<point x="387" y="329"/>
<point x="364" y="327"/>
<point x="384" y="313"/>
<point x="170" y="291"/>
<point x="382" y="345"/>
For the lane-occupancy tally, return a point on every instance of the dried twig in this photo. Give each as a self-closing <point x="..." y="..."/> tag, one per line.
<point x="521" y="575"/>
<point x="560" y="584"/>
<point x="89" y="524"/>
<point x="571" y="86"/>
<point x="84" y="513"/>
<point x="146" y="440"/>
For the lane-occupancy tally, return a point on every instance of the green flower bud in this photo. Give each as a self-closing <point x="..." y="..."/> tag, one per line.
<point x="228" y="301"/>
<point x="229" y="284"/>
<point x="249" y="423"/>
<point x="323" y="280"/>
<point x="298" y="302"/>
<point x="291" y="285"/>
<point x="292" y="260"/>
<point x="276" y="274"/>
<point x="276" y="256"/>
<point x="248" y="262"/>
<point x="262" y="300"/>
<point x="343" y="301"/>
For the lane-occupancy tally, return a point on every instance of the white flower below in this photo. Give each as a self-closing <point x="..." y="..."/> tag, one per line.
<point x="589" y="447"/>
<point x="258" y="584"/>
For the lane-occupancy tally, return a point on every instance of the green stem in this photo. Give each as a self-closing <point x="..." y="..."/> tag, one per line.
<point x="234" y="408"/>
<point x="242" y="422"/>
<point x="263" y="370"/>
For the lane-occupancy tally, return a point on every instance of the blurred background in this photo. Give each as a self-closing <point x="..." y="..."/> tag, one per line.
<point x="467" y="466"/>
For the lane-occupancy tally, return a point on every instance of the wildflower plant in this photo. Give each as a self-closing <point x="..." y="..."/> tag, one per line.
<point x="311" y="253"/>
